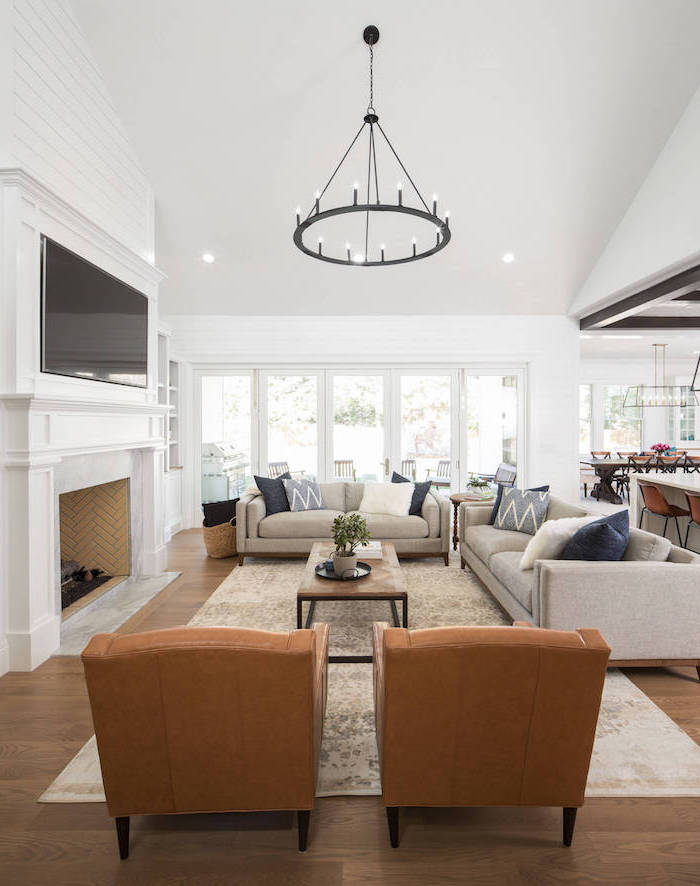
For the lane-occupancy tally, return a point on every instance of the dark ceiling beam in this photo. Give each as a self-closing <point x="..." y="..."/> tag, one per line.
<point x="648" y="322"/>
<point x="627" y="307"/>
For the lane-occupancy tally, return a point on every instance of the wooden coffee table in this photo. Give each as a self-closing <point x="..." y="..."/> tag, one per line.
<point x="385" y="582"/>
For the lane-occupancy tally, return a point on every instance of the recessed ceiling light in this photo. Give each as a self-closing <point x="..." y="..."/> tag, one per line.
<point x="508" y="257"/>
<point x="208" y="257"/>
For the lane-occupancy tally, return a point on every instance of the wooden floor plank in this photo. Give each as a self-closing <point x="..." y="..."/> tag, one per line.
<point x="45" y="719"/>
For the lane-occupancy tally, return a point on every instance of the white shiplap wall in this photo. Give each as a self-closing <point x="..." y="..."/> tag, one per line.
<point x="66" y="131"/>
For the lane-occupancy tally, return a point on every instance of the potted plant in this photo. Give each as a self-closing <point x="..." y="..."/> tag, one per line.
<point x="478" y="485"/>
<point x="349" y="532"/>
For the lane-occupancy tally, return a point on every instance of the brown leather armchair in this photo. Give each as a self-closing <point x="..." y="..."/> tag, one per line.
<point x="486" y="716"/>
<point x="208" y="720"/>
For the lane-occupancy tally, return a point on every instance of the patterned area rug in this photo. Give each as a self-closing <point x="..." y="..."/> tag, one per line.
<point x="639" y="751"/>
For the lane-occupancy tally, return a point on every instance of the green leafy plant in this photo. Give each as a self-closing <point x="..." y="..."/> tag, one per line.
<point x="349" y="533"/>
<point x="477" y="482"/>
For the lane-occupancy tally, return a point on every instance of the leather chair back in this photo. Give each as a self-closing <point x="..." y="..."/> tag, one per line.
<point x="208" y="719"/>
<point x="654" y="500"/>
<point x="482" y="716"/>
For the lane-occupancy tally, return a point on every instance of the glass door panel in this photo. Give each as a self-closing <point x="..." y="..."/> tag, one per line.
<point x="292" y="424"/>
<point x="426" y="424"/>
<point x="491" y="422"/>
<point x="226" y="436"/>
<point x="358" y="443"/>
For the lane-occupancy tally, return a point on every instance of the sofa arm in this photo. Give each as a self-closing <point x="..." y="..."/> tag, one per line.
<point x="242" y="521"/>
<point x="644" y="610"/>
<point x="445" y="520"/>
<point x="473" y="515"/>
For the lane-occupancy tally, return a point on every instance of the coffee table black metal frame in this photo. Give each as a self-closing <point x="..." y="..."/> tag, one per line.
<point x="380" y="595"/>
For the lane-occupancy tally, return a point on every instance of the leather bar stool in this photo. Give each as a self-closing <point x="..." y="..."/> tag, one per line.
<point x="655" y="502"/>
<point x="693" y="499"/>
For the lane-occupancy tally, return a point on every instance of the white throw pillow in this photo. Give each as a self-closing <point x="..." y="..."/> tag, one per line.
<point x="393" y="499"/>
<point x="551" y="539"/>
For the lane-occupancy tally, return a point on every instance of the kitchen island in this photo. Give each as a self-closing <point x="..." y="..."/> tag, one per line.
<point x="674" y="487"/>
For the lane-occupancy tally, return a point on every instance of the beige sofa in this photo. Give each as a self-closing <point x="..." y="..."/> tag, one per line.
<point x="291" y="533"/>
<point x="647" y="605"/>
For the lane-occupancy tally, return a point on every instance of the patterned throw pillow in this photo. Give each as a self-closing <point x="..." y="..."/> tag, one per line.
<point x="304" y="495"/>
<point x="522" y="511"/>
<point x="499" y="496"/>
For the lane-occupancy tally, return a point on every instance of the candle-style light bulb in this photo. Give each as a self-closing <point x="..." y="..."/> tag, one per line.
<point x="320" y="245"/>
<point x="347" y="250"/>
<point x="355" y="189"/>
<point x="318" y="198"/>
<point x="358" y="258"/>
<point x="399" y="188"/>
<point x="298" y="216"/>
<point x="447" y="218"/>
<point x="435" y="199"/>
<point x="414" y="241"/>
<point x="382" y="247"/>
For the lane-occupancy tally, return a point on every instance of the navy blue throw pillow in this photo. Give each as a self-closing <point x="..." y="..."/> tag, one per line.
<point x="604" y="539"/>
<point x="499" y="496"/>
<point x="419" y="493"/>
<point x="273" y="492"/>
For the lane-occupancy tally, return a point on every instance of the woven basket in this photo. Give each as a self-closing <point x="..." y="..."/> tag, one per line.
<point x="220" y="541"/>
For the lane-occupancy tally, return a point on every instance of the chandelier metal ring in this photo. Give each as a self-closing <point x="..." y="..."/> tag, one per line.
<point x="373" y="202"/>
<point x="434" y="220"/>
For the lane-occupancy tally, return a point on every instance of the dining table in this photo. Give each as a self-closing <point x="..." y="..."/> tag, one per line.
<point x="605" y="469"/>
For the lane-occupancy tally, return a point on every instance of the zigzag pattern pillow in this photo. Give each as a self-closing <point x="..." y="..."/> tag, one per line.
<point x="304" y="495"/>
<point x="522" y="511"/>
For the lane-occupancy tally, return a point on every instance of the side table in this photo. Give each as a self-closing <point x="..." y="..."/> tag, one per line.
<point x="457" y="499"/>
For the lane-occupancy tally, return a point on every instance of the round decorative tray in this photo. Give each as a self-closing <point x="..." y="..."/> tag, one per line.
<point x="326" y="570"/>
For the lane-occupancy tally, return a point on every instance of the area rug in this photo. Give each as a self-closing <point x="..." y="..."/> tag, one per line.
<point x="638" y="752"/>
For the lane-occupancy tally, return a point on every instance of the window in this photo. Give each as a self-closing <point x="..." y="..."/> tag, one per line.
<point x="226" y="436"/>
<point x="585" y="419"/>
<point x="358" y="427"/>
<point x="687" y="421"/>
<point x="425" y="425"/>
<point x="622" y="428"/>
<point x="492" y="422"/>
<point x="292" y="423"/>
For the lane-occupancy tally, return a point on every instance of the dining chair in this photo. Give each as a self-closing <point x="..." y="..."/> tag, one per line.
<point x="588" y="476"/>
<point x="344" y="469"/>
<point x="408" y="468"/>
<point x="669" y="463"/>
<point x="693" y="499"/>
<point x="692" y="464"/>
<point x="626" y="454"/>
<point x="641" y="464"/>
<point x="600" y="453"/>
<point x="655" y="502"/>
<point x="276" y="469"/>
<point x="442" y="475"/>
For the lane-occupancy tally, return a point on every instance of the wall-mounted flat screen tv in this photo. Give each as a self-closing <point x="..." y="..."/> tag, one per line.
<point x="94" y="326"/>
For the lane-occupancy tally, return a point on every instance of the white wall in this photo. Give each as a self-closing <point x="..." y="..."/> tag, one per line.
<point x="660" y="232"/>
<point x="548" y="346"/>
<point x="65" y="130"/>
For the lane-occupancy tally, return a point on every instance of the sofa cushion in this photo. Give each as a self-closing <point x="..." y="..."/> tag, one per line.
<point x="420" y="490"/>
<point x="430" y="512"/>
<point x="298" y="524"/>
<point x="485" y="541"/>
<point x="303" y="495"/>
<point x="558" y="509"/>
<point x="272" y="490"/>
<point x="353" y="495"/>
<point x="603" y="539"/>
<point x="647" y="546"/>
<point x="333" y="495"/>
<point x="522" y="511"/>
<point x="506" y="567"/>
<point x="387" y="498"/>
<point x="551" y="539"/>
<point x="386" y="526"/>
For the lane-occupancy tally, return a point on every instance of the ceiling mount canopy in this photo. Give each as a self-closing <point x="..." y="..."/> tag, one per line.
<point x="365" y="246"/>
<point x="660" y="393"/>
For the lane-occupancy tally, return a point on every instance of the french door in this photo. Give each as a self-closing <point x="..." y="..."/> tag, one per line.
<point x="434" y="423"/>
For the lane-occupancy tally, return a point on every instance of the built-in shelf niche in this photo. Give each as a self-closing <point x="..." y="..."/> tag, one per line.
<point x="169" y="379"/>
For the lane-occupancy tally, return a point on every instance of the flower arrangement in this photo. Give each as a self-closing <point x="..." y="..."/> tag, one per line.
<point x="661" y="448"/>
<point x="476" y="482"/>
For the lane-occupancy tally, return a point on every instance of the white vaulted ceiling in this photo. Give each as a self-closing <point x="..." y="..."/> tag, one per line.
<point x="535" y="121"/>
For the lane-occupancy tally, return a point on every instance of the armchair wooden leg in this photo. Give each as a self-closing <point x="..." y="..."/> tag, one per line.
<point x="241" y="558"/>
<point x="392" y="816"/>
<point x="446" y="558"/>
<point x="303" y="818"/>
<point x="463" y="563"/>
<point x="569" y="824"/>
<point x="122" y="823"/>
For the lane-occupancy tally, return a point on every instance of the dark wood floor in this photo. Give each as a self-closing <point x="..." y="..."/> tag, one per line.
<point x="45" y="719"/>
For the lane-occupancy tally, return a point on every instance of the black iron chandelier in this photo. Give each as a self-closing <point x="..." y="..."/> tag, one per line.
<point x="373" y="254"/>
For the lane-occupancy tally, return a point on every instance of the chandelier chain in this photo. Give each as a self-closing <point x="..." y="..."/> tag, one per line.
<point x="370" y="106"/>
